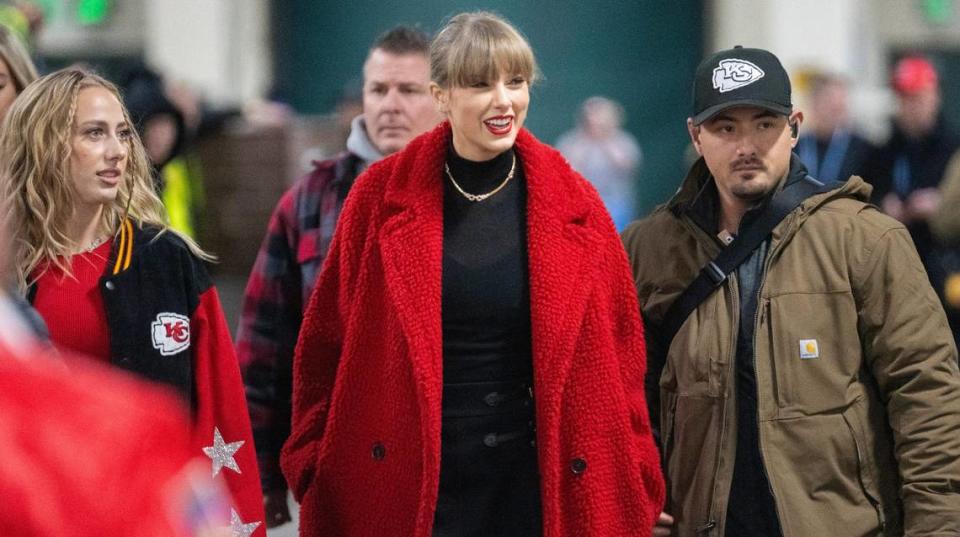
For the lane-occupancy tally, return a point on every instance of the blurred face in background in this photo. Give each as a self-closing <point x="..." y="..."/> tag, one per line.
<point x="601" y="117"/>
<point x="160" y="137"/>
<point x="396" y="99"/>
<point x="8" y="89"/>
<point x="917" y="111"/>
<point x="829" y="108"/>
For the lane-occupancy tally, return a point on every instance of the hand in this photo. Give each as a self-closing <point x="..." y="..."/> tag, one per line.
<point x="662" y="529"/>
<point x="895" y="208"/>
<point x="923" y="203"/>
<point x="275" y="506"/>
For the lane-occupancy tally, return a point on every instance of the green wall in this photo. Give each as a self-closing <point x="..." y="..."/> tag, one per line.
<point x="639" y="52"/>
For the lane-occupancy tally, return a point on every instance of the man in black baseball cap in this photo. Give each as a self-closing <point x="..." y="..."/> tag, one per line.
<point x="744" y="126"/>
<point x="788" y="322"/>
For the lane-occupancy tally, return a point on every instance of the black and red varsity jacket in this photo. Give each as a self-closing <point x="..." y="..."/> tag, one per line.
<point x="166" y="324"/>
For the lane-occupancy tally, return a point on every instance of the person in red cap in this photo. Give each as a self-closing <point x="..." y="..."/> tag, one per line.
<point x="907" y="170"/>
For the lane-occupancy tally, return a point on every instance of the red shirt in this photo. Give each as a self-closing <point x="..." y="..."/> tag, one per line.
<point x="73" y="306"/>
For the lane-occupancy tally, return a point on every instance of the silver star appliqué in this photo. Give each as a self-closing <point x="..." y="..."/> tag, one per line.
<point x="238" y="528"/>
<point x="222" y="453"/>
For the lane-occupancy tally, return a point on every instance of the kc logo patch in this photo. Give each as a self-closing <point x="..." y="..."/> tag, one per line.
<point x="732" y="74"/>
<point x="171" y="333"/>
<point x="809" y="349"/>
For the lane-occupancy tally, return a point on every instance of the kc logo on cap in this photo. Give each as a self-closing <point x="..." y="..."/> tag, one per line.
<point x="740" y="77"/>
<point x="735" y="73"/>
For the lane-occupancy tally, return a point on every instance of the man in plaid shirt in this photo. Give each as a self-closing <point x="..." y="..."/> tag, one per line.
<point x="397" y="107"/>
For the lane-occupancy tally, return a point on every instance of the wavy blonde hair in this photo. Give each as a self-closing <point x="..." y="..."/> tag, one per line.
<point x="35" y="149"/>
<point x="18" y="61"/>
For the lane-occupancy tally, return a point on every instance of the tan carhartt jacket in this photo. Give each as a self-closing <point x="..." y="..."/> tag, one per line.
<point x="859" y="392"/>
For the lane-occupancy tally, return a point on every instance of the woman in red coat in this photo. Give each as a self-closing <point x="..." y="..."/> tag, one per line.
<point x="472" y="359"/>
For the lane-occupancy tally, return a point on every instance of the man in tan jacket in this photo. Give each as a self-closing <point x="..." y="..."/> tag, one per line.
<point x="815" y="390"/>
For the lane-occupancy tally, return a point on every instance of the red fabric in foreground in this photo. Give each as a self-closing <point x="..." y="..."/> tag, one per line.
<point x="85" y="451"/>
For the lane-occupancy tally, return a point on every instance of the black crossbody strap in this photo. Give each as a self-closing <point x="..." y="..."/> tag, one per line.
<point x="716" y="272"/>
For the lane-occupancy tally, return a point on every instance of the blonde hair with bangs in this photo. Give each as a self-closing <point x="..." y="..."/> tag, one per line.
<point x="18" y="61"/>
<point x="479" y="47"/>
<point x="38" y="195"/>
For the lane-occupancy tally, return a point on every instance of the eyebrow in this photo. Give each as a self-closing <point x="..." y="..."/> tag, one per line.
<point x="100" y="123"/>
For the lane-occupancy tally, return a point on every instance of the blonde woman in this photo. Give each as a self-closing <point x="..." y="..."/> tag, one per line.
<point x="472" y="359"/>
<point x="16" y="69"/>
<point x="92" y="251"/>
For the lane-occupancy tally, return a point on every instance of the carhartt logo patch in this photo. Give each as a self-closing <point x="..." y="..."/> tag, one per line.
<point x="732" y="74"/>
<point x="809" y="349"/>
<point x="171" y="333"/>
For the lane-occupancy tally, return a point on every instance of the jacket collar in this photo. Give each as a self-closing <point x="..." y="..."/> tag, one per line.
<point x="359" y="142"/>
<point x="697" y="197"/>
<point x="121" y="253"/>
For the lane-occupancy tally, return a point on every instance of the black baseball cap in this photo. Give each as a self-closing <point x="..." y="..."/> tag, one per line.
<point x="740" y="77"/>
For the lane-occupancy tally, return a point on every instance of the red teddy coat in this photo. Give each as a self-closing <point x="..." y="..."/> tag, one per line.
<point x="363" y="457"/>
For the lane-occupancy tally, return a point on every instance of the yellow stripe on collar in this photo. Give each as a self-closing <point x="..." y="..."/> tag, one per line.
<point x="121" y="248"/>
<point x="129" y="256"/>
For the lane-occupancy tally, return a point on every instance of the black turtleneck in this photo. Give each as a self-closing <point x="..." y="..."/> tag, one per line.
<point x="486" y="300"/>
<point x="489" y="479"/>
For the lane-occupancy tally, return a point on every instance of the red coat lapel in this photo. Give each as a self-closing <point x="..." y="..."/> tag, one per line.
<point x="411" y="245"/>
<point x="561" y="240"/>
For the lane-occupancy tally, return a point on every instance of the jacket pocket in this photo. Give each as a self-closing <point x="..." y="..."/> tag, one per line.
<point x="781" y="381"/>
<point x="695" y="349"/>
<point x="865" y="465"/>
<point x="813" y="353"/>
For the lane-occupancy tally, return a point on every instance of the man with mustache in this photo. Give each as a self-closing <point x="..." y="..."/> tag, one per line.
<point x="397" y="107"/>
<point x="809" y="385"/>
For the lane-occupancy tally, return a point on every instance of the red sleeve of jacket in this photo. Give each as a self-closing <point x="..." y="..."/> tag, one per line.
<point x="222" y="434"/>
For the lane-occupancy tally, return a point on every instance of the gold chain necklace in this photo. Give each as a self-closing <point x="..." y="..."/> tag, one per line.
<point x="481" y="197"/>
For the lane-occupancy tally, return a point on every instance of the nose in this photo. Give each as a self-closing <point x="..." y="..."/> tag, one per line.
<point x="116" y="149"/>
<point x="501" y="96"/>
<point x="391" y="101"/>
<point x="746" y="145"/>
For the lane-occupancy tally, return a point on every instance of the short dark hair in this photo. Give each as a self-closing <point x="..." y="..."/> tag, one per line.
<point x="403" y="40"/>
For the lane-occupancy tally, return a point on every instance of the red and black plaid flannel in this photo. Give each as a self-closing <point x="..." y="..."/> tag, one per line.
<point x="280" y="284"/>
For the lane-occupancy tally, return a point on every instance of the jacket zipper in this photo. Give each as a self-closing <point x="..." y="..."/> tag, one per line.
<point x="756" y="330"/>
<point x="711" y="522"/>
